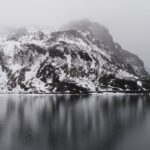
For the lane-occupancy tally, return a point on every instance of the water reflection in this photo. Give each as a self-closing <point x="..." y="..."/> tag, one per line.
<point x="69" y="122"/>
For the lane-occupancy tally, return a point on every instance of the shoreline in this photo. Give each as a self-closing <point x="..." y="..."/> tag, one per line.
<point x="88" y="93"/>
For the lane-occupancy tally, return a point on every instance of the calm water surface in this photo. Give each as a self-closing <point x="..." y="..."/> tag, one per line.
<point x="74" y="122"/>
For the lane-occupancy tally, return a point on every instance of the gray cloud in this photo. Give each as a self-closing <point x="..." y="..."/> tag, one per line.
<point x="127" y="20"/>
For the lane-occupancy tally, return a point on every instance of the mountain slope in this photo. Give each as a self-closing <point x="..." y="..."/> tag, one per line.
<point x="72" y="61"/>
<point x="104" y="40"/>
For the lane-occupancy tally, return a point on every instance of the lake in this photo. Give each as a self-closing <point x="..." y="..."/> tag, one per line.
<point x="71" y="122"/>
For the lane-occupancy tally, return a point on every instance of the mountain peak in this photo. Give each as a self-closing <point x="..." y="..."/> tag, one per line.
<point x="99" y="31"/>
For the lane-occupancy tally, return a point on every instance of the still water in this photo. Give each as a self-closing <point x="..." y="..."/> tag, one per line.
<point x="93" y="122"/>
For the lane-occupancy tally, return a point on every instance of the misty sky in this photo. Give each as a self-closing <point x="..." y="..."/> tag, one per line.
<point x="127" y="20"/>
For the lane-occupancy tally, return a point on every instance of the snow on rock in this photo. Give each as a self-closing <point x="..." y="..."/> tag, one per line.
<point x="139" y="83"/>
<point x="10" y="47"/>
<point x="3" y="81"/>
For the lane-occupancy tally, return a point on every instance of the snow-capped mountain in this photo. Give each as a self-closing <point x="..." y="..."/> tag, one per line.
<point x="77" y="60"/>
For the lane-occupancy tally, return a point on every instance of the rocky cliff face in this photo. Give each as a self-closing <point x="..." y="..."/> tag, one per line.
<point x="104" y="41"/>
<point x="73" y="61"/>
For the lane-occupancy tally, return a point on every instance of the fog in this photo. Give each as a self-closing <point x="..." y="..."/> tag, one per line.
<point x="127" y="20"/>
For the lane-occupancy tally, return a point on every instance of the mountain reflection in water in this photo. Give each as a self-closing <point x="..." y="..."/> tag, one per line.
<point x="65" y="122"/>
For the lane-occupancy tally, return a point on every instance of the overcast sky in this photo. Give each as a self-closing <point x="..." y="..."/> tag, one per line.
<point x="127" y="20"/>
